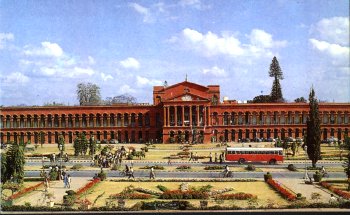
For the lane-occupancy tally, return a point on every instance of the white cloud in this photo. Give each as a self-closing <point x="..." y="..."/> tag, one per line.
<point x="260" y="38"/>
<point x="66" y="72"/>
<point x="211" y="44"/>
<point x="81" y="71"/>
<point x="142" y="81"/>
<point x="126" y="89"/>
<point x="130" y="63"/>
<point x="215" y="71"/>
<point x="147" y="16"/>
<point x="16" y="78"/>
<point x="331" y="49"/>
<point x="197" y="4"/>
<point x="333" y="30"/>
<point x="47" y="49"/>
<point x="4" y="37"/>
<point x="106" y="77"/>
<point x="91" y="60"/>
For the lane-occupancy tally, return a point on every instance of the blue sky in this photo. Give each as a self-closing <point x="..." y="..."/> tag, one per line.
<point x="48" y="47"/>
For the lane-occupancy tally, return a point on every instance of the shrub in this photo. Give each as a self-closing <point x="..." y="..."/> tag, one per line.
<point x="102" y="175"/>
<point x="77" y="166"/>
<point x="239" y="196"/>
<point x="190" y="194"/>
<point x="214" y="167"/>
<point x="337" y="191"/>
<point x="115" y="167"/>
<point x="182" y="167"/>
<point x="130" y="157"/>
<point x="87" y="186"/>
<point x="131" y="196"/>
<point x="291" y="167"/>
<point x="250" y="167"/>
<point x="24" y="191"/>
<point x="267" y="176"/>
<point x="162" y="188"/>
<point x="53" y="175"/>
<point x="183" y="153"/>
<point x="173" y="205"/>
<point x="317" y="176"/>
<point x="156" y="167"/>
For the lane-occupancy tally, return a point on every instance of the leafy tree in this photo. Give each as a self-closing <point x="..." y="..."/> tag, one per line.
<point x="88" y="94"/>
<point x="300" y="100"/>
<point x="61" y="142"/>
<point x="77" y="146"/>
<point x="84" y="144"/>
<point x="3" y="167"/>
<point x="15" y="162"/>
<point x="261" y="99"/>
<point x="276" y="72"/>
<point x="92" y="146"/>
<point x="121" y="99"/>
<point x="313" y="131"/>
<point x="346" y="164"/>
<point x="41" y="138"/>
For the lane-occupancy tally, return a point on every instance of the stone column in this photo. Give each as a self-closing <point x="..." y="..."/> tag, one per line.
<point x="209" y="116"/>
<point x="164" y="118"/>
<point x="204" y="115"/>
<point x="250" y="122"/>
<point x="59" y="118"/>
<point x="197" y="109"/>
<point x="175" y="107"/>
<point x="168" y="116"/>
<point x="108" y="120"/>
<point x="190" y="115"/>
<point x="183" y="114"/>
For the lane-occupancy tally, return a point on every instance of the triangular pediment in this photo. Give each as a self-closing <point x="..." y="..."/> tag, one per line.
<point x="189" y="85"/>
<point x="187" y="97"/>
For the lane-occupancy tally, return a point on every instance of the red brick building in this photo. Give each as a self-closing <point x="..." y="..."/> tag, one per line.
<point x="186" y="110"/>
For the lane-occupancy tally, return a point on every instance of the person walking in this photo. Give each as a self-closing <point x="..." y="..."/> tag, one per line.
<point x="210" y="157"/>
<point x="169" y="161"/>
<point x="69" y="180"/>
<point x="216" y="157"/>
<point x="220" y="158"/>
<point x="131" y="173"/>
<point x="65" y="181"/>
<point x="151" y="174"/>
<point x="191" y="156"/>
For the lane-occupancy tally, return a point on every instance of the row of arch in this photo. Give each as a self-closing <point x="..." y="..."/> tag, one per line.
<point x="75" y="121"/>
<point x="275" y="118"/>
<point x="120" y="136"/>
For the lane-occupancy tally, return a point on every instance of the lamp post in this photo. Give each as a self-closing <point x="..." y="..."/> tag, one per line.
<point x="61" y="150"/>
<point x="93" y="149"/>
<point x="306" y="177"/>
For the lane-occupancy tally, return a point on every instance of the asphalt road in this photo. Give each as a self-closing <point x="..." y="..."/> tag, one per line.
<point x="183" y="174"/>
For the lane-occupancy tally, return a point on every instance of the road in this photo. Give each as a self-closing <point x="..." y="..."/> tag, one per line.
<point x="184" y="174"/>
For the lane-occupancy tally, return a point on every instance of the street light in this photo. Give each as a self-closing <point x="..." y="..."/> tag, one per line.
<point x="93" y="149"/>
<point x="306" y="177"/>
<point x="61" y="150"/>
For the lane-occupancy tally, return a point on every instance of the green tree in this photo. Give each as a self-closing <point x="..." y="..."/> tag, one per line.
<point x="15" y="162"/>
<point x="313" y="130"/>
<point x="61" y="142"/>
<point x="77" y="146"/>
<point x="84" y="144"/>
<point x="346" y="164"/>
<point x="276" y="72"/>
<point x="300" y="100"/>
<point x="88" y="94"/>
<point x="92" y="146"/>
<point x="3" y="167"/>
<point x="261" y="99"/>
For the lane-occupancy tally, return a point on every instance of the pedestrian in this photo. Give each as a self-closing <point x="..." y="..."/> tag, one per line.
<point x="69" y="181"/>
<point x="131" y="173"/>
<point x="333" y="200"/>
<point x="216" y="157"/>
<point x="191" y="156"/>
<point x="53" y="158"/>
<point x="66" y="157"/>
<point x="65" y="181"/>
<point x="195" y="156"/>
<point x="151" y="174"/>
<point x="210" y="157"/>
<point x="169" y="161"/>
<point x="220" y="158"/>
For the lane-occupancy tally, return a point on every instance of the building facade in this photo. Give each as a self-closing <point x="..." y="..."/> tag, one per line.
<point x="182" y="112"/>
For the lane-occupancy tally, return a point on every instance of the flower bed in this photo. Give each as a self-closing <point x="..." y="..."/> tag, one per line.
<point x="239" y="196"/>
<point x="156" y="167"/>
<point x="178" y="194"/>
<point x="283" y="191"/>
<point x="131" y="196"/>
<point x="87" y="186"/>
<point x="187" y="180"/>
<point x="335" y="190"/>
<point x="24" y="191"/>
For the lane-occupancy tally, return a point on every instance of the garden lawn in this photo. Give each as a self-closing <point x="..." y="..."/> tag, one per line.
<point x="8" y="193"/>
<point x="261" y="189"/>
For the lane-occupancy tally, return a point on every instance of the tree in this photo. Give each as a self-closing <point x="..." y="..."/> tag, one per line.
<point x="92" y="146"/>
<point x="15" y="162"/>
<point x="300" y="100"/>
<point x="261" y="99"/>
<point x="88" y="94"/>
<point x="3" y="168"/>
<point x="346" y="164"/>
<point x="276" y="72"/>
<point x="61" y="142"/>
<point x="121" y="99"/>
<point x="84" y="144"/>
<point x="313" y="130"/>
<point x="77" y="146"/>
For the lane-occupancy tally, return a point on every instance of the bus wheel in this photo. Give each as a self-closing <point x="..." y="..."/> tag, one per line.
<point x="241" y="161"/>
<point x="272" y="162"/>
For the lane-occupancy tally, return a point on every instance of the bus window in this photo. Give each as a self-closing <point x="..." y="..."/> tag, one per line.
<point x="280" y="152"/>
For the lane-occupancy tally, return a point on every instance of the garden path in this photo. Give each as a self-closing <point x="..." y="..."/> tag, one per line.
<point x="299" y="186"/>
<point x="36" y="198"/>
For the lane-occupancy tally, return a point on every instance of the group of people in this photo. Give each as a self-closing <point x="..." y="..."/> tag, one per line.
<point x="108" y="159"/>
<point x="129" y="171"/>
<point x="53" y="158"/>
<point x="217" y="159"/>
<point x="61" y="175"/>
